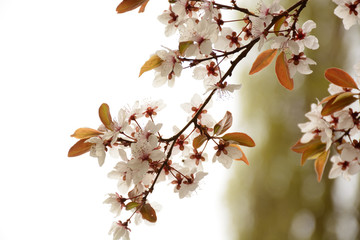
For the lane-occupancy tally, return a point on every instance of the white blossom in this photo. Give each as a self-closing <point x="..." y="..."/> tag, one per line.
<point x="304" y="39"/>
<point x="168" y="70"/>
<point x="226" y="153"/>
<point x="118" y="230"/>
<point x="300" y="63"/>
<point x="316" y="126"/>
<point x="348" y="11"/>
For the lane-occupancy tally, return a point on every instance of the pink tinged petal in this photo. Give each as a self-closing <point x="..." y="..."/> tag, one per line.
<point x="341" y="11"/>
<point x="206" y="47"/>
<point x="311" y="42"/>
<point x="171" y="82"/>
<point x="177" y="69"/>
<point x="234" y="152"/>
<point x="199" y="73"/>
<point x="349" y="21"/>
<point x="294" y="47"/>
<point x="335" y="171"/>
<point x="307" y="137"/>
<point x="354" y="167"/>
<point x="308" y="26"/>
<point x="159" y="80"/>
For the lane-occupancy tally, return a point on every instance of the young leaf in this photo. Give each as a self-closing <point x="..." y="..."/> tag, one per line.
<point x="87" y="133"/>
<point x="239" y="138"/>
<point x="198" y="141"/>
<point x="282" y="72"/>
<point x="224" y="124"/>
<point x="320" y="163"/>
<point x="79" y="148"/>
<point x="128" y="5"/>
<point x="263" y="60"/>
<point x="278" y="25"/>
<point x="132" y="205"/>
<point x="243" y="157"/>
<point x="329" y="98"/>
<point x="340" y="78"/>
<point x="300" y="147"/>
<point x="183" y="46"/>
<point x="309" y="150"/>
<point x="142" y="7"/>
<point x="148" y="213"/>
<point x="153" y="62"/>
<point x="105" y="116"/>
<point x="338" y="103"/>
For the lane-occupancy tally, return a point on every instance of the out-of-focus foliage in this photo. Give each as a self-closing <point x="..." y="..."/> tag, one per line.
<point x="275" y="198"/>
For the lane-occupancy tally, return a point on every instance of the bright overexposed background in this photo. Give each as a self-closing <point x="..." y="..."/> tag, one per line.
<point x="59" y="60"/>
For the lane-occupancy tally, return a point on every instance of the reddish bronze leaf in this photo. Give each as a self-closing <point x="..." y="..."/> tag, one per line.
<point x="309" y="150"/>
<point x="128" y="5"/>
<point x="328" y="98"/>
<point x="243" y="157"/>
<point x="79" y="148"/>
<point x="148" y="213"/>
<point x="300" y="147"/>
<point x="224" y="124"/>
<point x="278" y="25"/>
<point x="142" y="7"/>
<point x="239" y="138"/>
<point x="262" y="61"/>
<point x="132" y="205"/>
<point x="87" y="133"/>
<point x="320" y="163"/>
<point x="105" y="116"/>
<point x="198" y="141"/>
<point x="183" y="46"/>
<point x="153" y="62"/>
<point x="340" y="77"/>
<point x="282" y="72"/>
<point x="337" y="103"/>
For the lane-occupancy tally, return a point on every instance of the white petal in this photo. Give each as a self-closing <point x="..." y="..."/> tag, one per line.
<point x="308" y="26"/>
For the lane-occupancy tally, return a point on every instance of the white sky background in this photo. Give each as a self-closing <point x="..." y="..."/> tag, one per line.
<point x="58" y="62"/>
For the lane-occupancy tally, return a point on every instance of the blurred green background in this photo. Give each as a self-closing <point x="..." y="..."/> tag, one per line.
<point x="275" y="198"/>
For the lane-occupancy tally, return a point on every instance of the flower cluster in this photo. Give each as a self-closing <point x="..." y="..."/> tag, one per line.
<point x="334" y="121"/>
<point x="145" y="157"/>
<point x="206" y="43"/>
<point x="206" y="39"/>
<point x="348" y="11"/>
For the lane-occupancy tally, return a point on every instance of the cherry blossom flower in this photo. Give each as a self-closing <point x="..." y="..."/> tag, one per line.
<point x="151" y="108"/>
<point x="171" y="20"/>
<point x="348" y="11"/>
<point x="117" y="203"/>
<point x="266" y="12"/>
<point x="344" y="119"/>
<point x="317" y="126"/>
<point x="98" y="148"/>
<point x="303" y="38"/>
<point x="226" y="153"/>
<point x="209" y="72"/>
<point x="203" y="34"/>
<point x="190" y="182"/>
<point x="343" y="167"/>
<point x="300" y="63"/>
<point x="193" y="107"/>
<point x="120" y="230"/>
<point x="168" y="70"/>
<point x="123" y="173"/>
<point x="185" y="8"/>
<point x="284" y="43"/>
<point x="223" y="89"/>
<point x="228" y="40"/>
<point x="134" y="112"/>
